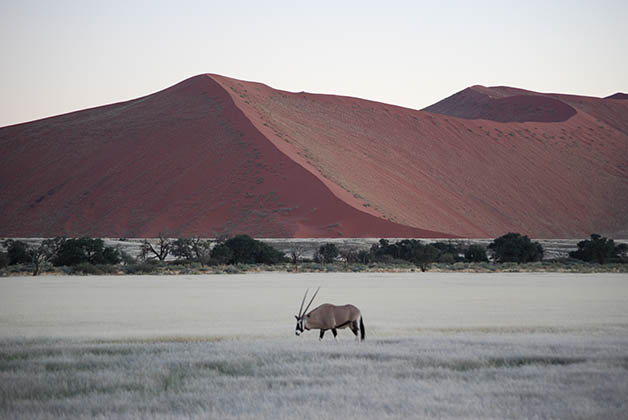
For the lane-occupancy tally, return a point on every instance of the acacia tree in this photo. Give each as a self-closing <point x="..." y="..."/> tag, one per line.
<point x="76" y="251"/>
<point x="161" y="251"/>
<point x="182" y="249"/>
<point x="599" y="249"/>
<point x="202" y="249"/>
<point x="45" y="252"/>
<point x="514" y="247"/>
<point x="424" y="255"/>
<point x="296" y="253"/>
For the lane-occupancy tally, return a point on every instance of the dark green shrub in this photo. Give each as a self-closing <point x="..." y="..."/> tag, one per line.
<point x="182" y="249"/>
<point x="326" y="253"/>
<point x="514" y="247"/>
<point x="221" y="254"/>
<point x="85" y="250"/>
<point x="448" y="248"/>
<point x="424" y="255"/>
<point x="250" y="251"/>
<point x="17" y="252"/>
<point x="4" y="259"/>
<point x="475" y="253"/>
<point x="446" y="258"/>
<point x="599" y="249"/>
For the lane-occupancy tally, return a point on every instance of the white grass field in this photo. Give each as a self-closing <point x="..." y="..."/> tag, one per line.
<point x="439" y="345"/>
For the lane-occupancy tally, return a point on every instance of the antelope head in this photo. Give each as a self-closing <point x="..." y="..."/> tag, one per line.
<point x="300" y="318"/>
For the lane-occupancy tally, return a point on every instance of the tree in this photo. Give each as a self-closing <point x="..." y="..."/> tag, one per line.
<point x="475" y="253"/>
<point x="327" y="253"/>
<point x="246" y="250"/>
<point x="513" y="247"/>
<point x="599" y="249"/>
<point x="17" y="252"/>
<point x="296" y="253"/>
<point x="76" y="251"/>
<point x="182" y="249"/>
<point x="195" y="249"/>
<point x="448" y="248"/>
<point x="221" y="254"/>
<point x="202" y="250"/>
<point x="44" y="253"/>
<point x="161" y="251"/>
<point x="424" y="255"/>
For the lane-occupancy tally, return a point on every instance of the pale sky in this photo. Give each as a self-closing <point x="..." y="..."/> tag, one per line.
<point x="61" y="56"/>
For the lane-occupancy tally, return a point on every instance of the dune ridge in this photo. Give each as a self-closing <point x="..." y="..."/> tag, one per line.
<point x="181" y="162"/>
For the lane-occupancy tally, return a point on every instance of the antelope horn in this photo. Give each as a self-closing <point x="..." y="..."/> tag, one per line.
<point x="312" y="300"/>
<point x="302" y="302"/>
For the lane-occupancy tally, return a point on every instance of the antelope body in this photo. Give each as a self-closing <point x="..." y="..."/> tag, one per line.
<point x="330" y="317"/>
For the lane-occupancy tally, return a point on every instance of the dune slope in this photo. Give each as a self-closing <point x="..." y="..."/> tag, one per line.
<point x="184" y="161"/>
<point x="562" y="173"/>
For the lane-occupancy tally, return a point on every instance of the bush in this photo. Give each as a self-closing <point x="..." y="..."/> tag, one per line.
<point x="87" y="268"/>
<point x="85" y="251"/>
<point x="475" y="253"/>
<point x="221" y="254"/>
<point x="126" y="258"/>
<point x="446" y="258"/>
<point x="599" y="249"/>
<point x="513" y="247"/>
<point x="17" y="252"/>
<point x="145" y="267"/>
<point x="327" y="253"/>
<point x="350" y="256"/>
<point x="4" y="259"/>
<point x="448" y="248"/>
<point x="247" y="250"/>
<point x="424" y="255"/>
<point x="182" y="249"/>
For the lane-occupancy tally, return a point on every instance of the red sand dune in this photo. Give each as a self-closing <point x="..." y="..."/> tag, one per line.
<point x="618" y="95"/>
<point x="216" y="155"/>
<point x="478" y="102"/>
<point x="184" y="161"/>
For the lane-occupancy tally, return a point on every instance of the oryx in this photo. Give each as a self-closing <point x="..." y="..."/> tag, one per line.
<point x="329" y="317"/>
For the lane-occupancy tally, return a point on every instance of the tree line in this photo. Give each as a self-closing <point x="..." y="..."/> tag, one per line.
<point x="242" y="249"/>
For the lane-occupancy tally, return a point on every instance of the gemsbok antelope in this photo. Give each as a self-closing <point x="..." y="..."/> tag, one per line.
<point x="329" y="317"/>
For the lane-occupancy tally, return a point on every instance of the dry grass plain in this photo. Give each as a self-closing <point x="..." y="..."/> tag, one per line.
<point x="439" y="345"/>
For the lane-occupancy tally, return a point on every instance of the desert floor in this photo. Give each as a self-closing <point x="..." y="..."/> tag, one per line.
<point x="439" y="345"/>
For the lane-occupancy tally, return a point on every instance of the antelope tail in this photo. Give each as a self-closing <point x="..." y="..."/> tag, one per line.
<point x="362" y="330"/>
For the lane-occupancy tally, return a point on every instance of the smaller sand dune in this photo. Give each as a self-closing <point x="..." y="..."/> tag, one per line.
<point x="478" y="102"/>
<point x="618" y="95"/>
